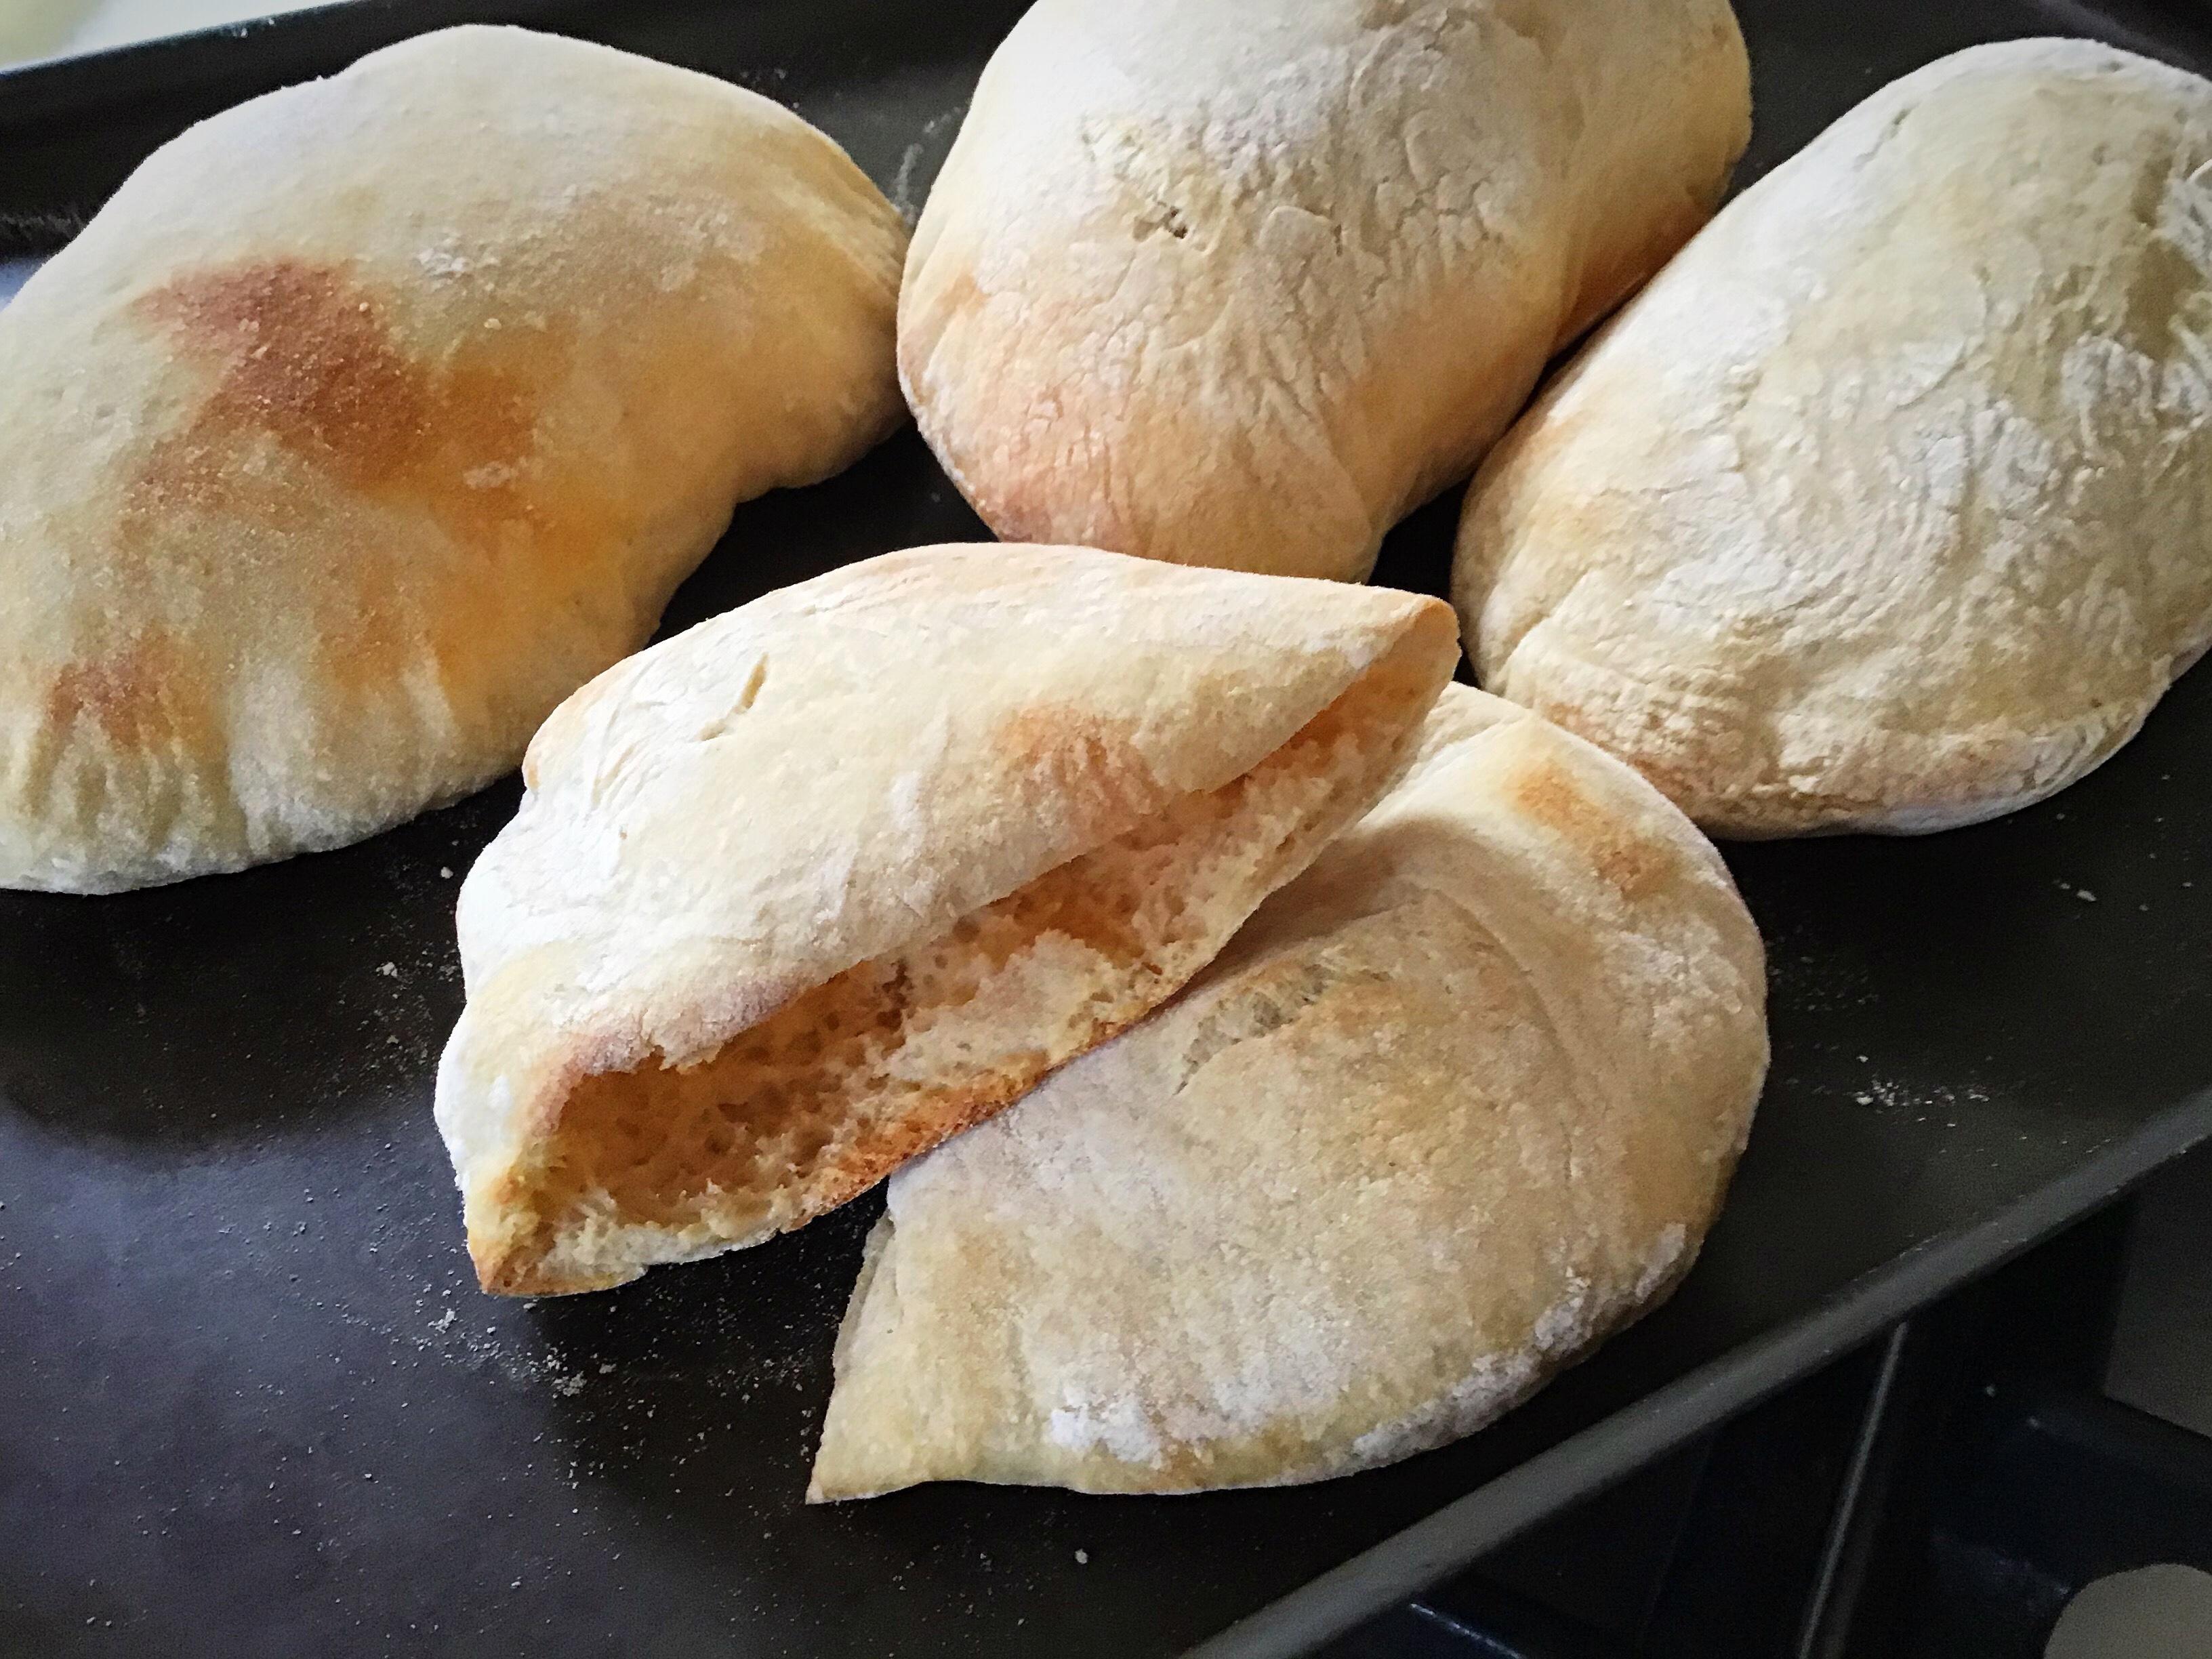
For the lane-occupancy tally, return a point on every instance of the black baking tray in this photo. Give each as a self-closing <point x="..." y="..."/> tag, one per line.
<point x="251" y="1402"/>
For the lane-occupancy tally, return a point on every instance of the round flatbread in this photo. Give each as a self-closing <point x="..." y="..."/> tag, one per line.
<point x="1884" y="506"/>
<point x="1241" y="282"/>
<point x="372" y="417"/>
<point x="1454" y="1105"/>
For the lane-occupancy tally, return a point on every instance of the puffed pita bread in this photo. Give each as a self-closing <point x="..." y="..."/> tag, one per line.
<point x="802" y="892"/>
<point x="1454" y="1105"/>
<point x="1241" y="281"/>
<point x="371" y="418"/>
<point x="1884" y="506"/>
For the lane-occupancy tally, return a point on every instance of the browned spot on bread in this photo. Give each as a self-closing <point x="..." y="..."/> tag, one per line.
<point x="1681" y="767"/>
<point x="138" y="698"/>
<point x="1551" y="794"/>
<point x="306" y="358"/>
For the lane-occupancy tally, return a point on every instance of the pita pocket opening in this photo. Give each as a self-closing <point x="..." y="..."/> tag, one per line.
<point x="795" y="895"/>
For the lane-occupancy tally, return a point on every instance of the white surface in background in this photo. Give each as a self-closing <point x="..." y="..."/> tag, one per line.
<point x="33" y="28"/>
<point x="14" y="273"/>
<point x="2153" y="1613"/>
<point x="41" y="29"/>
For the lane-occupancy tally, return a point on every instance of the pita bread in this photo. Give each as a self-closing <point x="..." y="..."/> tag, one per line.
<point x="371" y="418"/>
<point x="1883" y="507"/>
<point x="800" y="892"/>
<point x="1241" y="282"/>
<point x="1456" y="1103"/>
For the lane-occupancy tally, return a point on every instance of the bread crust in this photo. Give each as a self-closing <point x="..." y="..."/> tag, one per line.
<point x="372" y="417"/>
<point x="1240" y="284"/>
<point x="1455" y="1105"/>
<point x="1883" y="507"/>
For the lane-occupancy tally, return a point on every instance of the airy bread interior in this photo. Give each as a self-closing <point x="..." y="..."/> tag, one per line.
<point x="823" y="1098"/>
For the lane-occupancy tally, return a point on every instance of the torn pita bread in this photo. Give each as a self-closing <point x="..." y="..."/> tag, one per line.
<point x="800" y="892"/>
<point x="371" y="418"/>
<point x="1454" y="1105"/>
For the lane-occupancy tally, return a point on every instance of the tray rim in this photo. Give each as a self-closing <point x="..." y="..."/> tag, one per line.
<point x="1615" y="1447"/>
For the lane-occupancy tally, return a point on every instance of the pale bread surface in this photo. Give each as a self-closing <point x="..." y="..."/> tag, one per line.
<point x="801" y="891"/>
<point x="372" y="417"/>
<point x="1885" y="506"/>
<point x="1241" y="281"/>
<point x="1454" y="1105"/>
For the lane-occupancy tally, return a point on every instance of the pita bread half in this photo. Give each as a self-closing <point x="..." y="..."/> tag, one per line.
<point x="371" y="418"/>
<point x="1454" y="1105"/>
<point x="1884" y="508"/>
<point x="1242" y="281"/>
<point x="797" y="894"/>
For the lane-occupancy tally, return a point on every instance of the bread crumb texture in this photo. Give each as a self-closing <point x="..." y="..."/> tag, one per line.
<point x="801" y="893"/>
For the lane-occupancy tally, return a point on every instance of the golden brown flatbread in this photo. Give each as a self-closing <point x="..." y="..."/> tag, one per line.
<point x="1454" y="1105"/>
<point x="797" y="894"/>
<point x="371" y="418"/>
<point x="1241" y="282"/>
<point x="1884" y="506"/>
